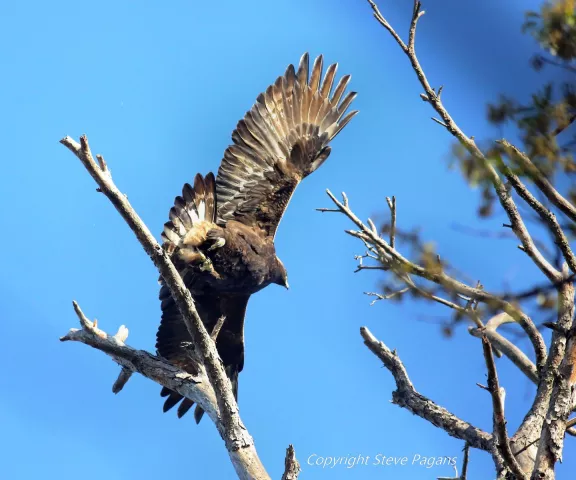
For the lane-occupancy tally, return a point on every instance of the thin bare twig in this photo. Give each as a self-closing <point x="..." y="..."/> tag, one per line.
<point x="217" y="327"/>
<point x="505" y="346"/>
<point x="123" y="377"/>
<point x="464" y="472"/>
<point x="466" y="311"/>
<point x="392" y="205"/>
<point x="379" y="296"/>
<point x="500" y="430"/>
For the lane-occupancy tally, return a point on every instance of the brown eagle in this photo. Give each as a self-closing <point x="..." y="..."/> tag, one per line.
<point x="221" y="230"/>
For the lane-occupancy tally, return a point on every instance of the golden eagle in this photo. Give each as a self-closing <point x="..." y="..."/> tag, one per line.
<point x="221" y="230"/>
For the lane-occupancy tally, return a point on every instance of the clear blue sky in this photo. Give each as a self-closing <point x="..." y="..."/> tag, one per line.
<point x="159" y="89"/>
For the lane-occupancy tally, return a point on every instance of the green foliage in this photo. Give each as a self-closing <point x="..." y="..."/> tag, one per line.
<point x="543" y="129"/>
<point x="555" y="28"/>
<point x="543" y="122"/>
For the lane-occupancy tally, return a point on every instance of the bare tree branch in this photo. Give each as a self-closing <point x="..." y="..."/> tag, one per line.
<point x="438" y="276"/>
<point x="502" y="443"/>
<point x="554" y="372"/>
<point x="502" y="344"/>
<point x="547" y="217"/>
<point x="195" y="387"/>
<point x="123" y="377"/>
<point x="239" y="443"/>
<point x="291" y="465"/>
<point x="464" y="472"/>
<point x="433" y="98"/>
<point x="406" y="396"/>
<point x="540" y="180"/>
<point x="392" y="205"/>
<point x="559" y="378"/>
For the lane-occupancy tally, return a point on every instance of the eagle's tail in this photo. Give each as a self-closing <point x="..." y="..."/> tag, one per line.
<point x="192" y="217"/>
<point x="174" y="397"/>
<point x="232" y="372"/>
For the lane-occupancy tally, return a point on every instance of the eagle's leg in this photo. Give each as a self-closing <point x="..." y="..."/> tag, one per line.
<point x="192" y="255"/>
<point x="206" y="265"/>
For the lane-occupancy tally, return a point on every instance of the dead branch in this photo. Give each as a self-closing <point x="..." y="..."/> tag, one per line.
<point x="502" y="443"/>
<point x="391" y="258"/>
<point x="505" y="346"/>
<point x="434" y="99"/>
<point x="555" y="370"/>
<point x="196" y="387"/>
<point x="464" y="473"/>
<point x="559" y="378"/>
<point x="546" y="215"/>
<point x="406" y="396"/>
<point x="540" y="180"/>
<point x="392" y="205"/>
<point x="291" y="465"/>
<point x="239" y="443"/>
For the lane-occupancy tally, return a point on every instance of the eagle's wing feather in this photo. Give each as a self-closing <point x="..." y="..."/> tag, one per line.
<point x="281" y="140"/>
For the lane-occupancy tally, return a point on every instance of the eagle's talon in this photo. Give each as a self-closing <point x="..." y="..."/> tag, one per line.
<point x="217" y="244"/>
<point x="206" y="264"/>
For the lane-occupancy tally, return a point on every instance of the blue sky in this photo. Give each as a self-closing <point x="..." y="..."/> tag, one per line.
<point x="159" y="89"/>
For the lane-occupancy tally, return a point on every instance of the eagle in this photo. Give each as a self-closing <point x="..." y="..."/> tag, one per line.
<point x="221" y="229"/>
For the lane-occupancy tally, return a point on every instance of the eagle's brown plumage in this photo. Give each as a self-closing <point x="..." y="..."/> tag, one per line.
<point x="221" y="230"/>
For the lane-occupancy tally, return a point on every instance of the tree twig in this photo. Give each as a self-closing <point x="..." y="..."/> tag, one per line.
<point x="464" y="472"/>
<point x="540" y="180"/>
<point x="392" y="205"/>
<point x="502" y="344"/>
<point x="500" y="431"/>
<point x="547" y="217"/>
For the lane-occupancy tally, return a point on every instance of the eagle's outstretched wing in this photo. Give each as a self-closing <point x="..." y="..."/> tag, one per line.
<point x="281" y="140"/>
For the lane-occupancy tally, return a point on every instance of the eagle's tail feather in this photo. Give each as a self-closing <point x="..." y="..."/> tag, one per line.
<point x="232" y="372"/>
<point x="165" y="392"/>
<point x="184" y="407"/>
<point x="173" y="399"/>
<point x="198" y="413"/>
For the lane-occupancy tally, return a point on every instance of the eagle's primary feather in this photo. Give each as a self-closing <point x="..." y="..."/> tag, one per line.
<point x="221" y="230"/>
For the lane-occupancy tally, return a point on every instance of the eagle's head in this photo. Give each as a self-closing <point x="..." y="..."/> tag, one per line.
<point x="281" y="275"/>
